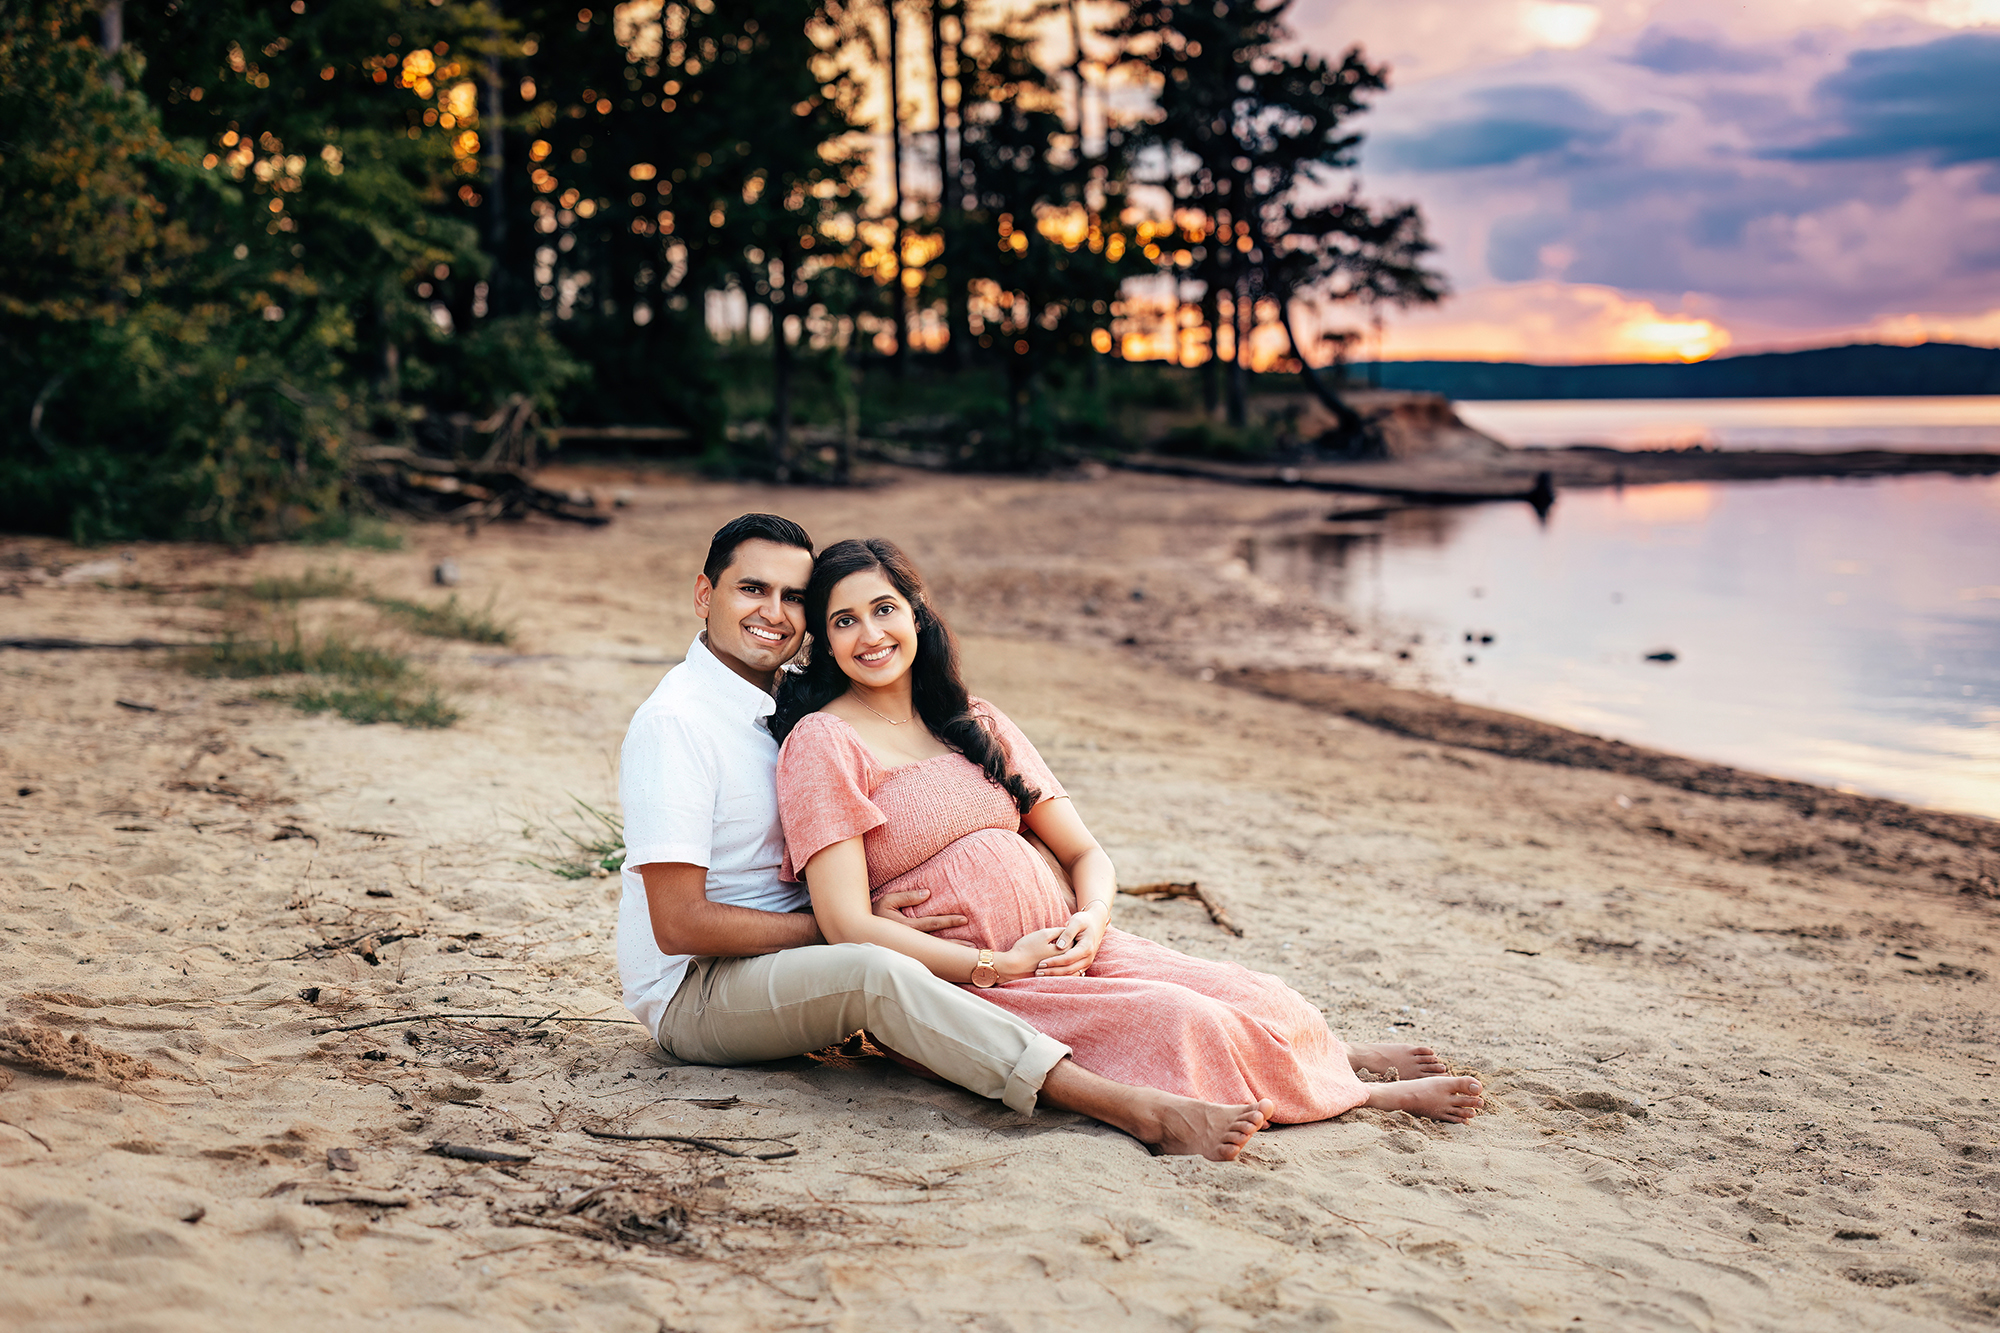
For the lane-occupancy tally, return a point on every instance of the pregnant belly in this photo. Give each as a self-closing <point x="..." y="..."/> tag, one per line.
<point x="994" y="879"/>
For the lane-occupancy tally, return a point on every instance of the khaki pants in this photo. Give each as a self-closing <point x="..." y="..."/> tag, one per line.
<point x="742" y="1010"/>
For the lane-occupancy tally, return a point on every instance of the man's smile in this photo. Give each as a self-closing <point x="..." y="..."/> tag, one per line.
<point x="767" y="635"/>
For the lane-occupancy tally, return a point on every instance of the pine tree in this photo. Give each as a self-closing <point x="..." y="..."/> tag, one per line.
<point x="775" y="106"/>
<point x="1044" y="253"/>
<point x="1254" y="143"/>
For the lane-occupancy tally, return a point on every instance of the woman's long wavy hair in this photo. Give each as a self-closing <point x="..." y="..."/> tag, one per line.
<point x="936" y="687"/>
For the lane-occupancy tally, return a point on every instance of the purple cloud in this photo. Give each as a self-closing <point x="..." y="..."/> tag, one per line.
<point x="1796" y="185"/>
<point x="1666" y="52"/>
<point x="1940" y="99"/>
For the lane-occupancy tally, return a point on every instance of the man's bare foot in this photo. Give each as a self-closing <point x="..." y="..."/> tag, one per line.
<point x="1453" y="1099"/>
<point x="1165" y="1122"/>
<point x="1403" y="1061"/>
<point x="1183" y="1127"/>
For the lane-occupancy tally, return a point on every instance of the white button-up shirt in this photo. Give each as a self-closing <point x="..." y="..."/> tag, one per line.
<point x="697" y="780"/>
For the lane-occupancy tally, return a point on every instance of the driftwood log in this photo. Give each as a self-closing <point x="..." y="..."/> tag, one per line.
<point x="1206" y="897"/>
<point x="512" y="435"/>
<point x="466" y="491"/>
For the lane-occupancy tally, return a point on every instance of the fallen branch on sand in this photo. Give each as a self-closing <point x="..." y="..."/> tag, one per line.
<point x="460" y="1152"/>
<point x="1216" y="911"/>
<point x="319" y="1195"/>
<point x="365" y="945"/>
<point x="533" y="1019"/>
<point x="708" y="1144"/>
<point x="86" y="645"/>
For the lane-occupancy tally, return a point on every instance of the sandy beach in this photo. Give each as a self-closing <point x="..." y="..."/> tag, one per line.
<point x="1739" y="1044"/>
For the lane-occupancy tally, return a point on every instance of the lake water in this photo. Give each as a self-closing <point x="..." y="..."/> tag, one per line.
<point x="1842" y="632"/>
<point x="1945" y="425"/>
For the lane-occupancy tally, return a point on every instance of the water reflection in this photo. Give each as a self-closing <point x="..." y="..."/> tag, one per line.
<point x="1320" y="559"/>
<point x="1960" y="422"/>
<point x="1843" y="632"/>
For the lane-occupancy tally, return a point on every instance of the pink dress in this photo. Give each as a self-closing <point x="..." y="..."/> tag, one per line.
<point x="1143" y="1014"/>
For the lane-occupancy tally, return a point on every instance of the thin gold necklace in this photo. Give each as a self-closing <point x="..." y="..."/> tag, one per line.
<point x="890" y="720"/>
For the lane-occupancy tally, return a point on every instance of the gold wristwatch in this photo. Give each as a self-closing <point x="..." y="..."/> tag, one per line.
<point x="984" y="975"/>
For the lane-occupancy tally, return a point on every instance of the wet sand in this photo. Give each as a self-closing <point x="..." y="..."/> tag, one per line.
<point x="1740" y="1049"/>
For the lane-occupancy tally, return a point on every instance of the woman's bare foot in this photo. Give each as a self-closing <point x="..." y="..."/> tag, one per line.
<point x="1453" y="1099"/>
<point x="1403" y="1061"/>
<point x="1183" y="1127"/>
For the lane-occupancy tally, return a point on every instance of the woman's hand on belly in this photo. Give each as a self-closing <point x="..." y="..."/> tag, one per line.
<point x="1078" y="942"/>
<point x="1028" y="953"/>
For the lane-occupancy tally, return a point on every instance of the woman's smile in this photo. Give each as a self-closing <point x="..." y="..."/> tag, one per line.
<point x="871" y="631"/>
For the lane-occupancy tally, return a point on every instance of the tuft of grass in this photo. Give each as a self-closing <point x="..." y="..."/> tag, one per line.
<point x="332" y="655"/>
<point x="449" y="621"/>
<point x="356" y="679"/>
<point x="358" y="531"/>
<point x="599" y="846"/>
<point x="313" y="583"/>
<point x="369" y="704"/>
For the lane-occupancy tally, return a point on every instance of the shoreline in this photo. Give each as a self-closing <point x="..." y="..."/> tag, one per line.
<point x="1513" y="474"/>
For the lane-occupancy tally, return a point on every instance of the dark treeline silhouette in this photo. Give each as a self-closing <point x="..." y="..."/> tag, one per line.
<point x="250" y="236"/>
<point x="1862" y="370"/>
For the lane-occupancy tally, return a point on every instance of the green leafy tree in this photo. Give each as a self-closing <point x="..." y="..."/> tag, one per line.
<point x="144" y="397"/>
<point x="351" y="135"/>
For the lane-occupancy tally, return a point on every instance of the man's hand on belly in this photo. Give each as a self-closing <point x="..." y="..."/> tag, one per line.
<point x="893" y="907"/>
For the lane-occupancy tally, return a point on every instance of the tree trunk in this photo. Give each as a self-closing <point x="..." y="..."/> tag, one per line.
<point x="1239" y="362"/>
<point x="899" y="294"/>
<point x="957" y="328"/>
<point x="850" y="408"/>
<point x="1211" y="318"/>
<point x="495" y="137"/>
<point x="1076" y="71"/>
<point x="1354" y="432"/>
<point x="111" y="24"/>
<point x="1017" y="401"/>
<point x="957" y="303"/>
<point x="781" y="397"/>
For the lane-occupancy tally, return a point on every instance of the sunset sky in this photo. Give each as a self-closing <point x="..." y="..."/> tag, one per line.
<point x="1638" y="180"/>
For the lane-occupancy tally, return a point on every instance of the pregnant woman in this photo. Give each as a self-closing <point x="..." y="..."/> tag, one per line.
<point x="892" y="778"/>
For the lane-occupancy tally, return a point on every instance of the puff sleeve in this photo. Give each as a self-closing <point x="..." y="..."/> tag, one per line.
<point x="823" y="790"/>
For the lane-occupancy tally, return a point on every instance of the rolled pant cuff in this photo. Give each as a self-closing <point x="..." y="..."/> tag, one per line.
<point x="1024" y="1081"/>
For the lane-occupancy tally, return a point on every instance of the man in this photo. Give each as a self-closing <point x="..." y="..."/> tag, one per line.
<point x="721" y="960"/>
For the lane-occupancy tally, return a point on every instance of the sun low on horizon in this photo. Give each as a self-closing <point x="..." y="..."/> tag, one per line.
<point x="1636" y="181"/>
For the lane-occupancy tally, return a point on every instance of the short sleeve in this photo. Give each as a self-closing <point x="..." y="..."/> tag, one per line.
<point x="667" y="780"/>
<point x="822" y="790"/>
<point x="1022" y="756"/>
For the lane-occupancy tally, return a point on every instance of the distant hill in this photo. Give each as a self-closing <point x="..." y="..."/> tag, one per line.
<point x="1861" y="371"/>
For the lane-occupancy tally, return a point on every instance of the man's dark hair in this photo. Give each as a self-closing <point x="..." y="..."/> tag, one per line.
<point x="748" y="528"/>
